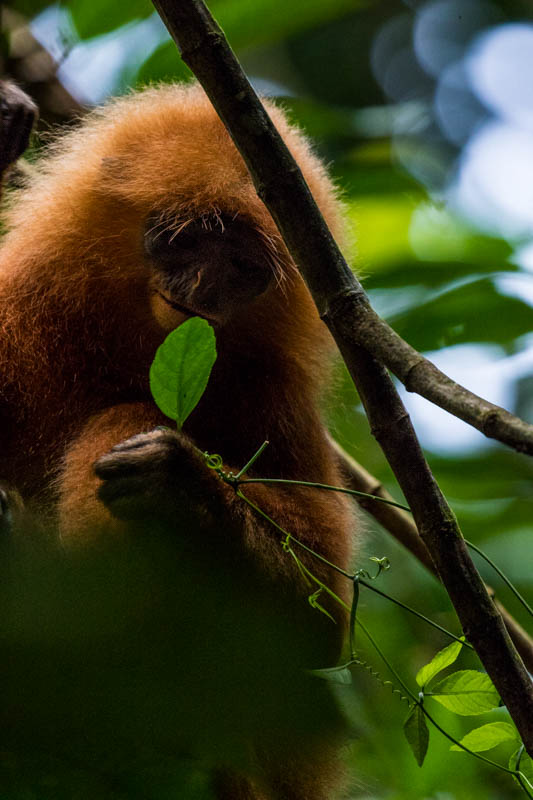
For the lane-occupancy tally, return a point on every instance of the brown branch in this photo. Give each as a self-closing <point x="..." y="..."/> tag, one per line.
<point x="420" y="375"/>
<point x="281" y="186"/>
<point x="400" y="525"/>
<point x="343" y="306"/>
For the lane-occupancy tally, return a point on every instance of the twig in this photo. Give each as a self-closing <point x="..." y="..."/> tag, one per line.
<point x="402" y="527"/>
<point x="343" y="306"/>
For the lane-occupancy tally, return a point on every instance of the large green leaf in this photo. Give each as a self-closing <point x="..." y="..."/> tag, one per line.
<point x="467" y="692"/>
<point x="181" y="368"/>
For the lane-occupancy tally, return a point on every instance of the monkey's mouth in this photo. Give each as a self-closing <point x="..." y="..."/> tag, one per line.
<point x="190" y="312"/>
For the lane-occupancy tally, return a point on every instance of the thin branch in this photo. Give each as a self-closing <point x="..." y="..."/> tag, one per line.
<point x="402" y="527"/>
<point x="420" y="375"/>
<point x="344" y="307"/>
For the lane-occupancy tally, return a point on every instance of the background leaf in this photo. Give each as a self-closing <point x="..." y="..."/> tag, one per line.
<point x="100" y="17"/>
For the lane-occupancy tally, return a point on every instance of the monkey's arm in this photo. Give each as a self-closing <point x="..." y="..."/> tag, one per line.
<point x="159" y="476"/>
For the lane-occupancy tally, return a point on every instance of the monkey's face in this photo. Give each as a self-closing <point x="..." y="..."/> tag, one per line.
<point x="211" y="266"/>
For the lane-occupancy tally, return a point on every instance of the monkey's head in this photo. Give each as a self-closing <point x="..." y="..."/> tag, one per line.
<point x="209" y="266"/>
<point x="209" y="246"/>
<point x="147" y="212"/>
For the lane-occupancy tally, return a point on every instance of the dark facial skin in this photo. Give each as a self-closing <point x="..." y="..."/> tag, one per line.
<point x="210" y="268"/>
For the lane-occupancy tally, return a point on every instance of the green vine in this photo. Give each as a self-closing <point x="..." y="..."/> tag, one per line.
<point x="415" y="727"/>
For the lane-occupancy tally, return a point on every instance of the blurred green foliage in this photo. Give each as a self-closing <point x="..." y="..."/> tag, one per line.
<point x="438" y="280"/>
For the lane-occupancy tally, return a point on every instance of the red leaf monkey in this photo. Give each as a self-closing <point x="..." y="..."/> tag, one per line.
<point x="144" y="216"/>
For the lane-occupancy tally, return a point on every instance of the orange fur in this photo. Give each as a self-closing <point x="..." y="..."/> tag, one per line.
<point x="77" y="336"/>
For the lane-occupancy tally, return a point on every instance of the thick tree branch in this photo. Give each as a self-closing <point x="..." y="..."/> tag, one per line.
<point x="344" y="307"/>
<point x="401" y="526"/>
<point x="281" y="186"/>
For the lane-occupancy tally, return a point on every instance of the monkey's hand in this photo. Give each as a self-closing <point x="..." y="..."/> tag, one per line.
<point x="159" y="475"/>
<point x="18" y="114"/>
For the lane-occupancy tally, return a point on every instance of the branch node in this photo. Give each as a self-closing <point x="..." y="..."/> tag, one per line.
<point x="491" y="418"/>
<point x="337" y="301"/>
<point x="419" y="361"/>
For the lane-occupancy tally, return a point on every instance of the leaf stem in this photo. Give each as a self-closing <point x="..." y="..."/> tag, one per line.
<point x="502" y="575"/>
<point x="251" y="462"/>
<point x="347" y="574"/>
<point x="293" y="539"/>
<point x="321" y="486"/>
<point x="415" y="613"/>
<point x="306" y="573"/>
<point x="387" y="662"/>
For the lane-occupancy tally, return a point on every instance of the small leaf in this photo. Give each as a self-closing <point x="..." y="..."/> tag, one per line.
<point x="487" y="736"/>
<point x="417" y="733"/>
<point x="181" y="368"/>
<point x="439" y="661"/>
<point x="334" y="674"/>
<point x="467" y="693"/>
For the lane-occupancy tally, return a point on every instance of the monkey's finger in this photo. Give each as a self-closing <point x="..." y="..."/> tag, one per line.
<point x="143" y="439"/>
<point x="125" y="464"/>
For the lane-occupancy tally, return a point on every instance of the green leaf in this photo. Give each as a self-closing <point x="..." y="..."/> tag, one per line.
<point x="263" y="22"/>
<point x="467" y="693"/>
<point x="439" y="661"/>
<point x="181" y="368"/>
<point x="99" y="16"/>
<point x="340" y="674"/>
<point x="475" y="312"/>
<point x="417" y="733"/>
<point x="487" y="736"/>
<point x="164" y="64"/>
<point x="525" y="766"/>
